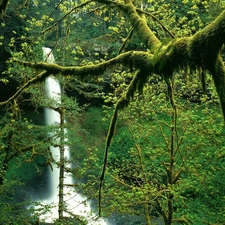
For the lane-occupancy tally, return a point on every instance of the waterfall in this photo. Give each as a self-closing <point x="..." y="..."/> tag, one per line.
<point x="74" y="202"/>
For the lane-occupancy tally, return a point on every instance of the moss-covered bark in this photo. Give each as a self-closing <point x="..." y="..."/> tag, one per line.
<point x="132" y="59"/>
<point x="200" y="51"/>
<point x="140" y="26"/>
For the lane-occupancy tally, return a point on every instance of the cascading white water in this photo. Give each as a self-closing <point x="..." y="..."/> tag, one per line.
<point x="75" y="203"/>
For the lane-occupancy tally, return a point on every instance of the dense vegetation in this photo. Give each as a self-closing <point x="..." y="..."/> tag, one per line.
<point x="155" y="69"/>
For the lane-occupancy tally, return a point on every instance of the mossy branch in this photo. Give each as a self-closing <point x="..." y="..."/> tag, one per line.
<point x="138" y="23"/>
<point x="200" y="51"/>
<point x="218" y="74"/>
<point x="128" y="38"/>
<point x="134" y="58"/>
<point x="157" y="20"/>
<point x="108" y="142"/>
<point x="35" y="79"/>
<point x="137" y="83"/>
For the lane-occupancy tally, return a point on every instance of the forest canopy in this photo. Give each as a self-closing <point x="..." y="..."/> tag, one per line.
<point x="162" y="55"/>
<point x="201" y="51"/>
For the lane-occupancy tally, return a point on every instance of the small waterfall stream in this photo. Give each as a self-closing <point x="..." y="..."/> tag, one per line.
<point x="74" y="202"/>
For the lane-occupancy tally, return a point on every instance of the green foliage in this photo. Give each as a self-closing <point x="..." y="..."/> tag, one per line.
<point x="140" y="148"/>
<point x="137" y="177"/>
<point x="86" y="141"/>
<point x="15" y="214"/>
<point x="93" y="122"/>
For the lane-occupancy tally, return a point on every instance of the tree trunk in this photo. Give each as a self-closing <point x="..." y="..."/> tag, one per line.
<point x="61" y="166"/>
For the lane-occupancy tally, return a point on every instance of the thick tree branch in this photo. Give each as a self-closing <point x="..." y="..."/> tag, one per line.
<point x="202" y="50"/>
<point x="157" y="20"/>
<point x="138" y="23"/>
<point x="141" y="27"/>
<point x="135" y="59"/>
<point x="132" y="59"/>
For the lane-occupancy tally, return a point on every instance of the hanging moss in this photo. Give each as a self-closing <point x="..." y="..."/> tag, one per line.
<point x="136" y="59"/>
<point x="204" y="51"/>
<point x="202" y="75"/>
<point x="181" y="52"/>
<point x="205" y="45"/>
<point x="173" y="57"/>
<point x="218" y="73"/>
<point x="136" y="84"/>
